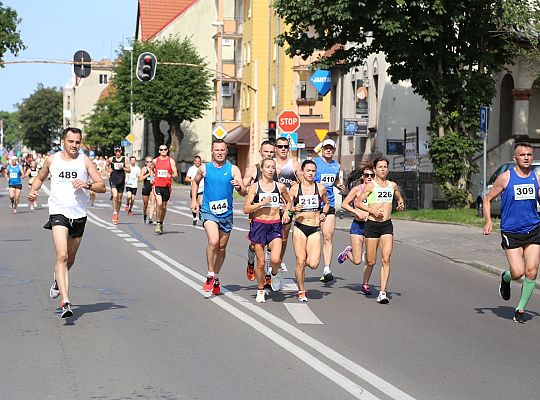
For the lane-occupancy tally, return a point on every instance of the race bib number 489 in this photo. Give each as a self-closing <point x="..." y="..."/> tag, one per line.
<point x="219" y="206"/>
<point x="67" y="175"/>
<point x="524" y="192"/>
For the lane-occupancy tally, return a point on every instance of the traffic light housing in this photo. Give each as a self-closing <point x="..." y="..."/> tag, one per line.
<point x="146" y="67"/>
<point x="81" y="64"/>
<point x="272" y="130"/>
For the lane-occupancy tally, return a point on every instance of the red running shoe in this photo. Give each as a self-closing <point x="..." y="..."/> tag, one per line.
<point x="209" y="284"/>
<point x="216" y="290"/>
<point x="250" y="272"/>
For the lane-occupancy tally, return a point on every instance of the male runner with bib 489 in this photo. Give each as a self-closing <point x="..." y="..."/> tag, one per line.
<point x="70" y="176"/>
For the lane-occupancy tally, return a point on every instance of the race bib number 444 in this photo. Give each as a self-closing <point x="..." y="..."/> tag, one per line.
<point x="219" y="206"/>
<point x="524" y="192"/>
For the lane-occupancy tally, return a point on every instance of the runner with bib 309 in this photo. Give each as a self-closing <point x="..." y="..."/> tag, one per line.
<point x="378" y="228"/>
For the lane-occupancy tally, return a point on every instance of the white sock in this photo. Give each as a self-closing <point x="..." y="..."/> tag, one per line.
<point x="326" y="269"/>
<point x="210" y="274"/>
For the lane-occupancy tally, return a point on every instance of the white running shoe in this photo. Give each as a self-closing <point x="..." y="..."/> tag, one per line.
<point x="363" y="260"/>
<point x="283" y="268"/>
<point x="260" y="296"/>
<point x="54" y="292"/>
<point x="382" y="299"/>
<point x="275" y="281"/>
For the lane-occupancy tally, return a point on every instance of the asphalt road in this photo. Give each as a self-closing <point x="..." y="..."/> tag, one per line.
<point x="143" y="329"/>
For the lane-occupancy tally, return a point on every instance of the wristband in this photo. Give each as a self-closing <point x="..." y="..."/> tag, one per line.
<point x="323" y="213"/>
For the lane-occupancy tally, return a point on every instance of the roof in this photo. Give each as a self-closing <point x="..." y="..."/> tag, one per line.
<point x="155" y="15"/>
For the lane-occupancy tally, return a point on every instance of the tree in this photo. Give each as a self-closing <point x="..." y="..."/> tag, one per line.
<point x="177" y="94"/>
<point x="10" y="38"/>
<point x="108" y="124"/>
<point x="449" y="50"/>
<point x="40" y="116"/>
<point x="12" y="130"/>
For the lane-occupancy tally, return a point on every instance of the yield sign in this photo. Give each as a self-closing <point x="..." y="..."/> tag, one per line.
<point x="219" y="132"/>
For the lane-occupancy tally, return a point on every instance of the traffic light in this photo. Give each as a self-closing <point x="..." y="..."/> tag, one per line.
<point x="146" y="67"/>
<point x="81" y="66"/>
<point x="272" y="130"/>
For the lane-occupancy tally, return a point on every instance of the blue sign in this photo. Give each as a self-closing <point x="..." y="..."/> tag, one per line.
<point x="484" y="119"/>
<point x="91" y="153"/>
<point x="292" y="138"/>
<point x="124" y="143"/>
<point x="322" y="80"/>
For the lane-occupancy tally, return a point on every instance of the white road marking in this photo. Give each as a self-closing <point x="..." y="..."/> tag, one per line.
<point x="131" y="239"/>
<point x="117" y="230"/>
<point x="139" y="244"/>
<point x="302" y="314"/>
<point x="358" y="370"/>
<point x="123" y="235"/>
<point x="289" y="285"/>
<point x="328" y="372"/>
<point x="189" y="226"/>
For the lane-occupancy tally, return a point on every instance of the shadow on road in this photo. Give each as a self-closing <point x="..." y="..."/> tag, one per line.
<point x="91" y="308"/>
<point x="504" y="312"/>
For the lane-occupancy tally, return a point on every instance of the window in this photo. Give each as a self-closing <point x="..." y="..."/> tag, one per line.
<point x="103" y="78"/>
<point x="274" y="96"/>
<point x="248" y="53"/>
<point x="395" y="147"/>
<point x="227" y="89"/>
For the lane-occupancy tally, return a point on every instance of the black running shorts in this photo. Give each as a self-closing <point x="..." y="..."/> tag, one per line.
<point x="375" y="229"/>
<point x="516" y="240"/>
<point x="75" y="226"/>
<point x="163" y="191"/>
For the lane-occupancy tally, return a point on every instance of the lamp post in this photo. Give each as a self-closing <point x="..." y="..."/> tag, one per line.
<point x="130" y="49"/>
<point x="220" y="110"/>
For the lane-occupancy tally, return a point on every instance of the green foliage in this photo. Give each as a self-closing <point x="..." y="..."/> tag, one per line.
<point x="449" y="50"/>
<point x="12" y="130"/>
<point x="40" y="116"/>
<point x="108" y="124"/>
<point x="177" y="93"/>
<point x="10" y="38"/>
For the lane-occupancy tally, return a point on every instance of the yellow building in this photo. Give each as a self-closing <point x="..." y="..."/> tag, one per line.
<point x="273" y="82"/>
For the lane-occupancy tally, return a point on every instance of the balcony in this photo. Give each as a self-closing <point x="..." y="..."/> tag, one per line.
<point x="232" y="29"/>
<point x="230" y="68"/>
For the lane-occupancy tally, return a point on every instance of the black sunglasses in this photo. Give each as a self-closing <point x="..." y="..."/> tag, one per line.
<point x="163" y="149"/>
<point x="372" y="175"/>
<point x="282" y="146"/>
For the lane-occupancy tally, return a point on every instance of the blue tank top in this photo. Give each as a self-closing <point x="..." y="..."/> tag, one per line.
<point x="14" y="174"/>
<point x="217" y="196"/>
<point x="518" y="204"/>
<point x="327" y="173"/>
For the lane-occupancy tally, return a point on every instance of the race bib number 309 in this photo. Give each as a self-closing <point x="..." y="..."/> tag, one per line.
<point x="524" y="192"/>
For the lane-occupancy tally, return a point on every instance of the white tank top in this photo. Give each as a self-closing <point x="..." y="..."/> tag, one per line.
<point x="64" y="199"/>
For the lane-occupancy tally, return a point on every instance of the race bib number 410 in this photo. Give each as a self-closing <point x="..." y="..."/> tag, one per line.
<point x="219" y="206"/>
<point x="328" y="179"/>
<point x="524" y="192"/>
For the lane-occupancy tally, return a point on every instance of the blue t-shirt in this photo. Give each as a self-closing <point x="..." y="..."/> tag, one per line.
<point x="15" y="174"/>
<point x="518" y="204"/>
<point x="327" y="173"/>
<point x="218" y="189"/>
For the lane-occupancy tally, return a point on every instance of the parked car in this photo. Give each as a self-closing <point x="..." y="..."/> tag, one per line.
<point x="496" y="203"/>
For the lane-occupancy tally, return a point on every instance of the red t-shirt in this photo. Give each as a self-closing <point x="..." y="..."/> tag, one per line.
<point x="161" y="170"/>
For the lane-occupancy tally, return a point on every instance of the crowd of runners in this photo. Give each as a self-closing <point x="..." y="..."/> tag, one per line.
<point x="280" y="195"/>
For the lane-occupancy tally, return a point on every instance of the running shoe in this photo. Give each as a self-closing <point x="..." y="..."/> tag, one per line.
<point x="302" y="295"/>
<point x="250" y="272"/>
<point x="144" y="219"/>
<point x="15" y="211"/>
<point x="216" y="289"/>
<point x="382" y="299"/>
<point x="363" y="260"/>
<point x="260" y="296"/>
<point x="115" y="219"/>
<point x="194" y="222"/>
<point x="159" y="228"/>
<point x="519" y="317"/>
<point x="54" y="292"/>
<point x="127" y="207"/>
<point x="32" y="208"/>
<point x="344" y="255"/>
<point x="150" y="221"/>
<point x="283" y="268"/>
<point x="267" y="282"/>
<point x="504" y="289"/>
<point x="130" y="212"/>
<point x="275" y="281"/>
<point x="66" y="310"/>
<point x="327" y="277"/>
<point x="209" y="284"/>
<point x="365" y="289"/>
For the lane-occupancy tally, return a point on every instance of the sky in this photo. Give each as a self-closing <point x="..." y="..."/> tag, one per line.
<point x="55" y="30"/>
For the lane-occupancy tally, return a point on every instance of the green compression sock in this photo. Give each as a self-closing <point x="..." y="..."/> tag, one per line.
<point x="526" y="293"/>
<point x="507" y="276"/>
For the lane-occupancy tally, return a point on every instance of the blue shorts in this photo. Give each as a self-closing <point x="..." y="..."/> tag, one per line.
<point x="225" y="224"/>
<point x="357" y="227"/>
<point x="263" y="232"/>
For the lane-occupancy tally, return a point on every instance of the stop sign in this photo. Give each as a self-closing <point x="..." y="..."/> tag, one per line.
<point x="288" y="121"/>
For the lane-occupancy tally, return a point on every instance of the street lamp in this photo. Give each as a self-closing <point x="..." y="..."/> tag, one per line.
<point x="221" y="25"/>
<point x="130" y="49"/>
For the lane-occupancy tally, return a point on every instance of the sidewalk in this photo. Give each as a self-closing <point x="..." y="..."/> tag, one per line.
<point x="459" y="243"/>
